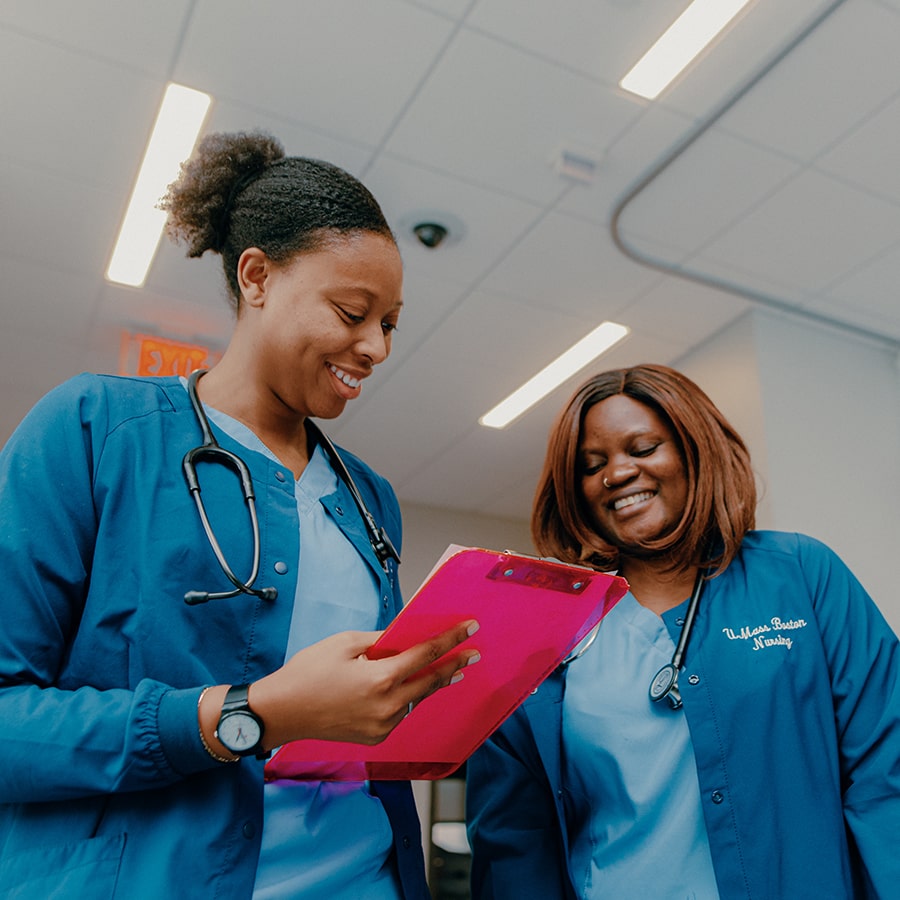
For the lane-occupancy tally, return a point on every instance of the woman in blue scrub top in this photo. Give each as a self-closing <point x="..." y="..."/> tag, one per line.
<point x="135" y="725"/>
<point x="773" y="767"/>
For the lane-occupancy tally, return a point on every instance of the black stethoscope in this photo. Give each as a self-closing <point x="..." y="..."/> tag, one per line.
<point x="211" y="451"/>
<point x="665" y="681"/>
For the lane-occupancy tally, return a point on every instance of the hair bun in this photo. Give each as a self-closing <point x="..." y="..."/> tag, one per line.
<point x="199" y="201"/>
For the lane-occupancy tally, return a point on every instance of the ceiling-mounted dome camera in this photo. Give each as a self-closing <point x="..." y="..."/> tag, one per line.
<point x="431" y="234"/>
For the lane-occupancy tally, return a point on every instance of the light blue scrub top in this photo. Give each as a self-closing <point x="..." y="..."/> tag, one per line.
<point x="322" y="840"/>
<point x="637" y="828"/>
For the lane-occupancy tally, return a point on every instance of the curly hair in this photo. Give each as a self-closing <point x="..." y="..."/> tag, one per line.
<point x="240" y="190"/>
<point x="721" y="498"/>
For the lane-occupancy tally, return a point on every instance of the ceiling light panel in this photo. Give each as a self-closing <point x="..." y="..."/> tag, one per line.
<point x="601" y="339"/>
<point x="685" y="38"/>
<point x="178" y="124"/>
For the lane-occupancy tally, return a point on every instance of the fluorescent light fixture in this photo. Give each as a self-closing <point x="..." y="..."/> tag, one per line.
<point x="683" y="40"/>
<point x="174" y="135"/>
<point x="576" y="357"/>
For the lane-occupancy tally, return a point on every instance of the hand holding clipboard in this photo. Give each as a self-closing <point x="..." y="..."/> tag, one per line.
<point x="531" y="612"/>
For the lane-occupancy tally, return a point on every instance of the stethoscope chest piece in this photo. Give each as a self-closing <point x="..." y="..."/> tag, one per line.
<point x="665" y="684"/>
<point x="665" y="681"/>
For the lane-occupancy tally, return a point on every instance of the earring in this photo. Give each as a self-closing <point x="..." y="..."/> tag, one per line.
<point x="606" y="483"/>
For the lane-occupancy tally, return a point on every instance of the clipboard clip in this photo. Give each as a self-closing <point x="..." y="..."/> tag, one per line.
<point x="559" y="577"/>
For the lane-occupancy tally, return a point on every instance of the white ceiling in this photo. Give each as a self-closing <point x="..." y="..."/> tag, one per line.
<point x="768" y="174"/>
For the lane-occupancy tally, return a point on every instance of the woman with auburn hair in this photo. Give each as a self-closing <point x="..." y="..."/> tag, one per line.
<point x="732" y="729"/>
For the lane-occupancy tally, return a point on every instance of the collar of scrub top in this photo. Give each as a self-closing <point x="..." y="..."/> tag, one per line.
<point x="665" y="682"/>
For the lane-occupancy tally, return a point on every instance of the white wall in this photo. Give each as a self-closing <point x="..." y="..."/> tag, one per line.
<point x="428" y="531"/>
<point x="820" y="412"/>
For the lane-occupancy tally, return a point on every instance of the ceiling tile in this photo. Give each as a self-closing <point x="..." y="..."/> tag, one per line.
<point x="427" y="301"/>
<point x="744" y="50"/>
<point x="807" y="234"/>
<point x="871" y="288"/>
<point x="569" y="265"/>
<point x="602" y="38"/>
<point x="315" y="68"/>
<point x="454" y="9"/>
<point x="199" y="280"/>
<point x="43" y="301"/>
<point x="297" y="138"/>
<point x="743" y="280"/>
<point x="680" y="310"/>
<point x="34" y="234"/>
<point x="628" y="159"/>
<point x="145" y="34"/>
<point x="709" y="186"/>
<point x="505" y="135"/>
<point x="868" y="156"/>
<point x="827" y="86"/>
<point x="482" y="223"/>
<point x="80" y="116"/>
<point x="19" y="353"/>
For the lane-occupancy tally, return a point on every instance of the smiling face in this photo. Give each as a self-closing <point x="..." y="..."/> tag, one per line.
<point x="320" y="323"/>
<point x="634" y="450"/>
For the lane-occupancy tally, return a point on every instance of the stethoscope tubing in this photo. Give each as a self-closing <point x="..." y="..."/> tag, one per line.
<point x="211" y="451"/>
<point x="665" y="682"/>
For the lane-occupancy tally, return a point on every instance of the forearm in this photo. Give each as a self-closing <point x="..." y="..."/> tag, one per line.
<point x="65" y="744"/>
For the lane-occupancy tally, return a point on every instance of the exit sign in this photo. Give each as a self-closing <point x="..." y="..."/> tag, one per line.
<point x="143" y="354"/>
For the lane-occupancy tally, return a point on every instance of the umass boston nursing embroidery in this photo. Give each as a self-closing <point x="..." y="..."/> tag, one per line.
<point x="767" y="635"/>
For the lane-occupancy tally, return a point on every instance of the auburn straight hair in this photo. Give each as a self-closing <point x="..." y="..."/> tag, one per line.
<point x="721" y="495"/>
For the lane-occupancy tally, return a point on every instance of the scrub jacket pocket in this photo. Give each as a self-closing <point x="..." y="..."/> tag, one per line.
<point x="87" y="870"/>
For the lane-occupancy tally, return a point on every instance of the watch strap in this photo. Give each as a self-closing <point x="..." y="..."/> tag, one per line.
<point x="237" y="697"/>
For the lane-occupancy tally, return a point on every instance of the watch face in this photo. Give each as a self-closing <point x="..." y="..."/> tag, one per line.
<point x="238" y="731"/>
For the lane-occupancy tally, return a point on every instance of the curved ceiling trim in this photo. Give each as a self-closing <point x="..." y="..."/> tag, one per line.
<point x="757" y="297"/>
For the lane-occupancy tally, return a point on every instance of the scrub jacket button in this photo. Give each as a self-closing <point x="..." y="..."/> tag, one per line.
<point x="694" y="679"/>
<point x="406" y="841"/>
<point x="279" y="475"/>
<point x="679" y="621"/>
<point x="339" y="510"/>
<point x="716" y="797"/>
<point x="249" y="830"/>
<point x="281" y="567"/>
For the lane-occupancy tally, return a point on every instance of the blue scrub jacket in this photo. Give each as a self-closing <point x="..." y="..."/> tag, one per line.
<point x="797" y="745"/>
<point x="105" y="788"/>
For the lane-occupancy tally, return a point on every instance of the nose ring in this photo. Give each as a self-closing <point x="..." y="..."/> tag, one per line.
<point x="606" y="483"/>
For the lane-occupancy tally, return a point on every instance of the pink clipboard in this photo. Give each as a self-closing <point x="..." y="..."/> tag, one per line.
<point x="532" y="613"/>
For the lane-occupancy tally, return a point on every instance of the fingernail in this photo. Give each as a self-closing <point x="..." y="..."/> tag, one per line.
<point x="457" y="676"/>
<point x="473" y="658"/>
<point x="473" y="627"/>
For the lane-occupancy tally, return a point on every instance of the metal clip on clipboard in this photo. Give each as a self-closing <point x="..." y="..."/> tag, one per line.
<point x="532" y="613"/>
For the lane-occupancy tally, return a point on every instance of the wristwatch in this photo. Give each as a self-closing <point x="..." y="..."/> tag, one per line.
<point x="240" y="730"/>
